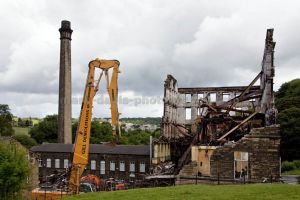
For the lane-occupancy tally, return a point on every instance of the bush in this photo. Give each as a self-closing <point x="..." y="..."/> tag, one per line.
<point x="287" y="166"/>
<point x="14" y="170"/>
<point x="297" y="163"/>
<point x="25" y="140"/>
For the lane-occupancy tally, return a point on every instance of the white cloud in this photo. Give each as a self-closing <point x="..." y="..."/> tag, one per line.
<point x="201" y="43"/>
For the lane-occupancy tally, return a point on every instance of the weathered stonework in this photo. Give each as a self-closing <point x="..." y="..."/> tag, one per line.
<point x="262" y="145"/>
<point x="65" y="89"/>
<point x="197" y="120"/>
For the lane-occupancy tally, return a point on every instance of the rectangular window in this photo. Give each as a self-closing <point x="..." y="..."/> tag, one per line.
<point x="40" y="162"/>
<point x="213" y="97"/>
<point x="66" y="163"/>
<point x="102" y="167"/>
<point x="241" y="164"/>
<point x="93" y="164"/>
<point x="112" y="166"/>
<point x="142" y="167"/>
<point x="200" y="96"/>
<point x="226" y="97"/>
<point x="122" y="166"/>
<point x="132" y="166"/>
<point x="188" y="113"/>
<point x="48" y="163"/>
<point x="57" y="163"/>
<point x="188" y="98"/>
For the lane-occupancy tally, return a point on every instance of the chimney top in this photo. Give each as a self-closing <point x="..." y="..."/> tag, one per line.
<point x="65" y="30"/>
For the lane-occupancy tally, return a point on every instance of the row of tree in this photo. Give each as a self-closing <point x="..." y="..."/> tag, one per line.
<point x="46" y="131"/>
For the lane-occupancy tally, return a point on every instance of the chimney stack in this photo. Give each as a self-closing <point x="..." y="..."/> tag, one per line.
<point x="65" y="89"/>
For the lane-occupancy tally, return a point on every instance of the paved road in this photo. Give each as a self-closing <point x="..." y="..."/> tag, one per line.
<point x="290" y="179"/>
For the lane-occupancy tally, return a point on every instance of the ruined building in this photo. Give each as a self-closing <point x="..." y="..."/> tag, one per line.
<point x="226" y="133"/>
<point x="65" y="89"/>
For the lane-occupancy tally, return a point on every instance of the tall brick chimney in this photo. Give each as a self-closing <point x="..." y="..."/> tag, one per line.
<point x="65" y="89"/>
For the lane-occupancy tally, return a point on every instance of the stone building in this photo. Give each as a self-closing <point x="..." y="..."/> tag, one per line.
<point x="124" y="162"/>
<point x="224" y="132"/>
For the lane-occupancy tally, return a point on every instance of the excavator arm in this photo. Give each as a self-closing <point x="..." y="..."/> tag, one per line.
<point x="82" y="140"/>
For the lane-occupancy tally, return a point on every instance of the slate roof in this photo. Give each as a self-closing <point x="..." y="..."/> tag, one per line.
<point x="94" y="149"/>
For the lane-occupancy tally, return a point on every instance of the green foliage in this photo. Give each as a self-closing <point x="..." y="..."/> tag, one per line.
<point x="140" y="120"/>
<point x="21" y="130"/>
<point x="46" y="130"/>
<point x="289" y="120"/>
<point x="24" y="122"/>
<point x="287" y="166"/>
<point x="6" y="120"/>
<point x="137" y="137"/>
<point x="288" y="95"/>
<point x="25" y="140"/>
<point x="14" y="170"/>
<point x="100" y="132"/>
<point x="288" y="104"/>
<point x="202" y="191"/>
<point x="291" y="167"/>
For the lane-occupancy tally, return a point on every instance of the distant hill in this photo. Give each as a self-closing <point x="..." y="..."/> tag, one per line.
<point x="140" y="120"/>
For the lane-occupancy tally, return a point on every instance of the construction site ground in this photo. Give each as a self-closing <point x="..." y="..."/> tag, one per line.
<point x="206" y="192"/>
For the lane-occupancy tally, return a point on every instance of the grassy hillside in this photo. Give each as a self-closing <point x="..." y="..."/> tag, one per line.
<point x="203" y="192"/>
<point x="21" y="130"/>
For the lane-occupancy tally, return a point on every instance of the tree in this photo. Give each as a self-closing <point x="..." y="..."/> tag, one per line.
<point x="289" y="120"/>
<point x="288" y="95"/>
<point x="46" y="130"/>
<point x="6" y="119"/>
<point x="288" y="104"/>
<point x="25" y="140"/>
<point x="14" y="170"/>
<point x="100" y="132"/>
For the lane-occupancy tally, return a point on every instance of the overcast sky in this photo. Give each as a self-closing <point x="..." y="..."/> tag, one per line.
<point x="201" y="43"/>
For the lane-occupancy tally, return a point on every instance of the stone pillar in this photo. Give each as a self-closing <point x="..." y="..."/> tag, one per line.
<point x="65" y="89"/>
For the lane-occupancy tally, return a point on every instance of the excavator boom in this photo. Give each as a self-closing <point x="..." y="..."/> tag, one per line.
<point x="82" y="140"/>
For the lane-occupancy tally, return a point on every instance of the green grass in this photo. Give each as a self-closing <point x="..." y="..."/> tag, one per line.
<point x="21" y="130"/>
<point x="202" y="192"/>
<point x="292" y="172"/>
<point x="35" y="121"/>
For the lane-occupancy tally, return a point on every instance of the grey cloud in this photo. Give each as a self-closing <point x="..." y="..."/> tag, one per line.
<point x="201" y="43"/>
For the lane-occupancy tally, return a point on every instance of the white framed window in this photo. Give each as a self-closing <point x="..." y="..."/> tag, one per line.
<point x="213" y="97"/>
<point x="40" y="162"/>
<point x="112" y="166"/>
<point x="57" y="163"/>
<point x="132" y="166"/>
<point x="200" y="96"/>
<point x="48" y="165"/>
<point x="102" y="167"/>
<point x="66" y="163"/>
<point x="93" y="164"/>
<point x="188" y="98"/>
<point x="226" y="96"/>
<point x="122" y="166"/>
<point x="142" y="167"/>
<point x="188" y="113"/>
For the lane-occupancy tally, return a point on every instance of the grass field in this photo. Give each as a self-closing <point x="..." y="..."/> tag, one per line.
<point x="292" y="172"/>
<point x="202" y="192"/>
<point x="21" y="130"/>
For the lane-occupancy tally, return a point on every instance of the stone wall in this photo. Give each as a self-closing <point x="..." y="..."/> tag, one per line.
<point x="117" y="174"/>
<point x="263" y="147"/>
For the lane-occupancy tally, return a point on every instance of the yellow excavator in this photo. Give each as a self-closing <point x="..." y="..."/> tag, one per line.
<point x="82" y="140"/>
